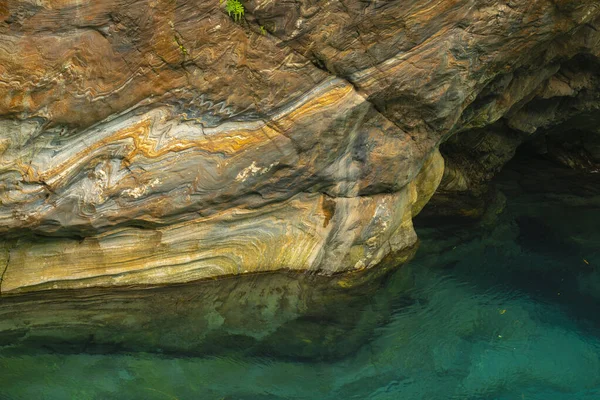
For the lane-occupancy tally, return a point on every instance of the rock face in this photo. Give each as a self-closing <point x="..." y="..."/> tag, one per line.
<point x="158" y="141"/>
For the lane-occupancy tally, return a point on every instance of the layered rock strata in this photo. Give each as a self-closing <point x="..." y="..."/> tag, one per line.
<point x="154" y="142"/>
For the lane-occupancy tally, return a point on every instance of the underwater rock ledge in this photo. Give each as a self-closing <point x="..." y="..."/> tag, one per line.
<point x="153" y="143"/>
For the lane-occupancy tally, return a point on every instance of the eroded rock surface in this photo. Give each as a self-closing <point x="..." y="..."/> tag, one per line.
<point x="154" y="142"/>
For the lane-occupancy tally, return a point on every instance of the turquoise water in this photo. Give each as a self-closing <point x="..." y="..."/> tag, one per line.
<point x="506" y="308"/>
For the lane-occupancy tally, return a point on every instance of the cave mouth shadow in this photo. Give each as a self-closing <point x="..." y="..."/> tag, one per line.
<point x="538" y="236"/>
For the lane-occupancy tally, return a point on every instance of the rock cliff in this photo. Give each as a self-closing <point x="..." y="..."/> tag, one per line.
<point x="154" y="142"/>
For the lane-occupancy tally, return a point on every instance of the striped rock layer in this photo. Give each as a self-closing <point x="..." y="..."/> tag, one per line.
<point x="152" y="142"/>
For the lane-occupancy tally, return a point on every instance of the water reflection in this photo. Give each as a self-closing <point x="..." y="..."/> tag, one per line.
<point x="283" y="315"/>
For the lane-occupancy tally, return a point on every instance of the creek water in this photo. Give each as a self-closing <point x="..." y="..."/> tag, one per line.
<point x="503" y="308"/>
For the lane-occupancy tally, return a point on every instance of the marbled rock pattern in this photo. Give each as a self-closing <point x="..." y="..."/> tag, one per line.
<point x="158" y="141"/>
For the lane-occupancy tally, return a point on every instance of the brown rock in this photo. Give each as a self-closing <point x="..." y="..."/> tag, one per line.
<point x="160" y="142"/>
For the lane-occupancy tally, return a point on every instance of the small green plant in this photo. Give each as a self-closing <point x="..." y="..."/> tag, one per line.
<point x="234" y="8"/>
<point x="263" y="31"/>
